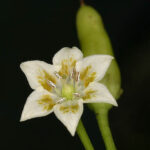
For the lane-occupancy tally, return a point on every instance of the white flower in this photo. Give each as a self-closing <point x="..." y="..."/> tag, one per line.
<point x="63" y="87"/>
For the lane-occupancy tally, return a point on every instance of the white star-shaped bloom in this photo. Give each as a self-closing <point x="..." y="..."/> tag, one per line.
<point x="63" y="87"/>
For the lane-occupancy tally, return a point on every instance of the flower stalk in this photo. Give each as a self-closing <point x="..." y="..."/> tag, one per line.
<point x="103" y="123"/>
<point x="84" y="136"/>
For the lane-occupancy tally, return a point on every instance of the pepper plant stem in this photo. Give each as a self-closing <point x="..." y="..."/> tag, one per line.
<point x="102" y="119"/>
<point x="84" y="136"/>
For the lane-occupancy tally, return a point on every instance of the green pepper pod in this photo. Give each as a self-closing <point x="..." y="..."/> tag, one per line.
<point x="94" y="40"/>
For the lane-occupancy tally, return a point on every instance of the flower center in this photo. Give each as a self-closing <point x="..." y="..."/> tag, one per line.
<point x="67" y="91"/>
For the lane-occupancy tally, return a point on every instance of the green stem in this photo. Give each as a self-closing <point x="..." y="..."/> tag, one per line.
<point x="84" y="136"/>
<point x="102" y="118"/>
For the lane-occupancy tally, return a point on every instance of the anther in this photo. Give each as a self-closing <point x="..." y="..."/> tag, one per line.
<point x="73" y="73"/>
<point x="51" y="84"/>
<point x="60" y="101"/>
<point x="57" y="75"/>
<point x="76" y="94"/>
<point x="77" y="76"/>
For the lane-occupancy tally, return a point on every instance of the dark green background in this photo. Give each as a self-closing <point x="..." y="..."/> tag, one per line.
<point x="35" y="30"/>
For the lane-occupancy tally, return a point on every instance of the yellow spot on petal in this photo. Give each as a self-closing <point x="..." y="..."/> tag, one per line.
<point x="71" y="108"/>
<point x="66" y="66"/>
<point x="64" y="71"/>
<point x="89" y="94"/>
<point x="43" y="79"/>
<point x="47" y="102"/>
<point x="90" y="78"/>
<point x="84" y="73"/>
<point x="72" y="62"/>
<point x="87" y="76"/>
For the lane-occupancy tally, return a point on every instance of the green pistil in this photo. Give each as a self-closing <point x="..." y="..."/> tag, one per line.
<point x="67" y="91"/>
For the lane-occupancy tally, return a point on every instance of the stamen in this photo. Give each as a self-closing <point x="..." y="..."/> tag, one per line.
<point x="60" y="101"/>
<point x="57" y="75"/>
<point x="77" y="76"/>
<point x="51" y="84"/>
<point x="72" y="74"/>
<point x="76" y="94"/>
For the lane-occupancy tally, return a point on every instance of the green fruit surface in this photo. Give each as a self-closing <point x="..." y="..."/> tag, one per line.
<point x="94" y="39"/>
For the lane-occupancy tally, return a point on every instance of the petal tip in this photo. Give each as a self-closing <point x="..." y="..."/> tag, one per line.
<point x="76" y="48"/>
<point x="22" y="119"/>
<point x="115" y="103"/>
<point x="72" y="133"/>
<point x="23" y="65"/>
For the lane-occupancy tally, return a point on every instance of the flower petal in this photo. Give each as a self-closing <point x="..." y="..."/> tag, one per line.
<point x="39" y="103"/>
<point x="38" y="73"/>
<point x="96" y="93"/>
<point x="69" y="113"/>
<point x="67" y="58"/>
<point x="93" y="68"/>
<point x="66" y="53"/>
